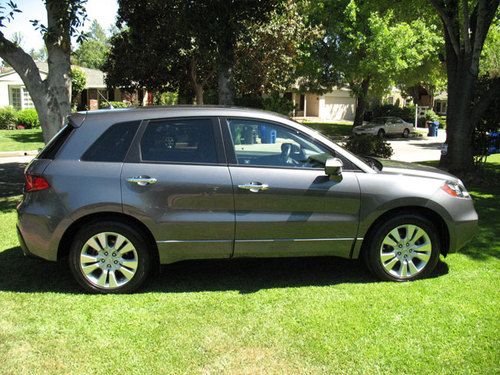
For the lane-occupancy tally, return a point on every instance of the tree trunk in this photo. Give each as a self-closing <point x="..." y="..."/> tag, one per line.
<point x="197" y="86"/>
<point x="226" y="91"/>
<point x="361" y="102"/>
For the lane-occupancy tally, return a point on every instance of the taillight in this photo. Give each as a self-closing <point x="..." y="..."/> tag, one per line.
<point x="35" y="183"/>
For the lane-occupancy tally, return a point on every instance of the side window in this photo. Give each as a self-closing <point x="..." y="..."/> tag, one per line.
<point x="266" y="144"/>
<point x="113" y="145"/>
<point x="179" y="140"/>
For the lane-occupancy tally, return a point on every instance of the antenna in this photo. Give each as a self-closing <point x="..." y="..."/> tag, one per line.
<point x="106" y="100"/>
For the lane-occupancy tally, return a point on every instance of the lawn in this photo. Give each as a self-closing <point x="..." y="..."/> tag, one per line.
<point x="21" y="140"/>
<point x="332" y="129"/>
<point x="285" y="316"/>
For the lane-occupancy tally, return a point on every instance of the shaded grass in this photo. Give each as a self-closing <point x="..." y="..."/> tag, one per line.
<point x="331" y="129"/>
<point x="287" y="316"/>
<point x="21" y="140"/>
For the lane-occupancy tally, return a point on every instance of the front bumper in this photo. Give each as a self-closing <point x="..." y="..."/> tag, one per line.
<point x="461" y="233"/>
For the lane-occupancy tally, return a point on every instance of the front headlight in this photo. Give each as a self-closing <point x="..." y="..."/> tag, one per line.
<point x="455" y="189"/>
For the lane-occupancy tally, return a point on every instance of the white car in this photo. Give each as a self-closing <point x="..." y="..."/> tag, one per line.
<point x="382" y="126"/>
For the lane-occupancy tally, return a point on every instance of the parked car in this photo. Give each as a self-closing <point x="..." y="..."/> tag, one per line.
<point x="117" y="192"/>
<point x="383" y="126"/>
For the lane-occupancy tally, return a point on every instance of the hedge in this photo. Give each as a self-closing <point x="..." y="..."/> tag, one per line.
<point x="9" y="117"/>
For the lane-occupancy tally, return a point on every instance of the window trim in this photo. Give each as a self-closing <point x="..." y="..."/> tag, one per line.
<point x="135" y="156"/>
<point x="231" y="154"/>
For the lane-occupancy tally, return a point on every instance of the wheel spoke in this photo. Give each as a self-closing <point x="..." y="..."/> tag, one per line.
<point x="390" y="242"/>
<point x="424" y="248"/>
<point x="130" y="263"/>
<point x="120" y="240"/>
<point x="424" y="257"/>
<point x="387" y="256"/>
<point x="390" y="265"/>
<point x="113" y="283"/>
<point x="86" y="258"/>
<point x="87" y="270"/>
<point x="94" y="244"/>
<point x="410" y="232"/>
<point x="103" y="239"/>
<point x="417" y="235"/>
<point x="127" y="273"/>
<point x="128" y="247"/>
<point x="395" y="234"/>
<point x="403" y="269"/>
<point x="102" y="279"/>
<point x="412" y="267"/>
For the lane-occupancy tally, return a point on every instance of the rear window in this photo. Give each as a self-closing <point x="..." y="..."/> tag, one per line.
<point x="113" y="145"/>
<point x="183" y="140"/>
<point x="55" y="144"/>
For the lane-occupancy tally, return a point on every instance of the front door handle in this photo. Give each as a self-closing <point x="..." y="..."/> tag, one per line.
<point x="142" y="180"/>
<point x="254" y="187"/>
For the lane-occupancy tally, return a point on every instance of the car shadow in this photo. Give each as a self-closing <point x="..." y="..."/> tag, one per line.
<point x="30" y="275"/>
<point x="11" y="179"/>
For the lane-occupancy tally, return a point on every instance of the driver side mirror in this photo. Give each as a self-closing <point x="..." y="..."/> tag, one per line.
<point x="333" y="167"/>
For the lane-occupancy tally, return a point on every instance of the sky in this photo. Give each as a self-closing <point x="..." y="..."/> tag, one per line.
<point x="104" y="11"/>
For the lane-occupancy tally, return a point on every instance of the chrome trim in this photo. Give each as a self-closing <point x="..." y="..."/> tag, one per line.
<point x="263" y="240"/>
<point x="193" y="241"/>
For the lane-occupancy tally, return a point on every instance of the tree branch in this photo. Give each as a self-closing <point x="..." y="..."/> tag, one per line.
<point x="466" y="26"/>
<point x="23" y="64"/>
<point x="485" y="100"/>
<point x="486" y="10"/>
<point x="441" y="10"/>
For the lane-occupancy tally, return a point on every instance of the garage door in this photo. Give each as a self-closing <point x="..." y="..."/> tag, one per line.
<point x="339" y="108"/>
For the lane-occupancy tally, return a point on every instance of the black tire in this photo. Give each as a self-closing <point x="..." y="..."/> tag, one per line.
<point x="372" y="247"/>
<point x="406" y="133"/>
<point x="381" y="133"/>
<point x="137" y="240"/>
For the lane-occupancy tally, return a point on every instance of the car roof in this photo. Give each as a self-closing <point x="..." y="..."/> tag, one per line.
<point x="152" y="112"/>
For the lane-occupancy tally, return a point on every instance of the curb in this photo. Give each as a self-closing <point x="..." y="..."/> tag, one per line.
<point x="10" y="154"/>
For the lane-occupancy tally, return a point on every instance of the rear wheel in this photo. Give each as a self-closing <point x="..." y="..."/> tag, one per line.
<point x="406" y="133"/>
<point x="381" y="133"/>
<point x="403" y="248"/>
<point x="109" y="257"/>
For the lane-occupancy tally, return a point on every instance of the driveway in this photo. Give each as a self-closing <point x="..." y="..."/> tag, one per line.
<point x="418" y="149"/>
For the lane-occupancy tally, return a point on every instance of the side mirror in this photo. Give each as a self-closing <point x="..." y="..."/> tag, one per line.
<point x="333" y="167"/>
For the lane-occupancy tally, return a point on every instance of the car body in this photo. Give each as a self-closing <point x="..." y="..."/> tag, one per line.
<point x="383" y="126"/>
<point x="183" y="183"/>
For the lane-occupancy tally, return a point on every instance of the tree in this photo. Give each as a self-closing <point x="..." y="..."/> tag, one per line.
<point x="93" y="49"/>
<point x="465" y="28"/>
<point x="192" y="43"/>
<point x="78" y="83"/>
<point x="366" y="48"/>
<point x="51" y="96"/>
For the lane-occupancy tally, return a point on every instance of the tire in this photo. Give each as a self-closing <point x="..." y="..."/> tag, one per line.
<point x="388" y="260"/>
<point x="381" y="133"/>
<point x="100" y="268"/>
<point x="406" y="133"/>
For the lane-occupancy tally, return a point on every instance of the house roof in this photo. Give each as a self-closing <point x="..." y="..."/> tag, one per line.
<point x="95" y="77"/>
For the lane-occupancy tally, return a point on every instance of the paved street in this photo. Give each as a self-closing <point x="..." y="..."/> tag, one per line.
<point x="418" y="149"/>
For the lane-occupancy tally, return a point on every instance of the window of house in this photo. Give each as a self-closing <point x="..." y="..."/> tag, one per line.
<point x="19" y="98"/>
<point x="179" y="140"/>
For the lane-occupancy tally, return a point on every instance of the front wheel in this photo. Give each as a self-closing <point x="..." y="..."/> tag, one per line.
<point x="406" y="133"/>
<point x="109" y="257"/>
<point x="403" y="248"/>
<point x="381" y="133"/>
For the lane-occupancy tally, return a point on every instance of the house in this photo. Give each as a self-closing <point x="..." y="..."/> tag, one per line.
<point x="336" y="105"/>
<point x="14" y="93"/>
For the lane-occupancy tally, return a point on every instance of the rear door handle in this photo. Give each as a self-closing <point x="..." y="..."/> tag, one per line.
<point x="142" y="180"/>
<point x="254" y="187"/>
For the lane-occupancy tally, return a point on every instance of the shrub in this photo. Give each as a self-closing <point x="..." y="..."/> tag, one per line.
<point x="7" y="117"/>
<point x="368" y="145"/>
<point x="28" y="118"/>
<point x="278" y="104"/>
<point x="406" y="113"/>
<point x="166" y="98"/>
<point x="103" y="104"/>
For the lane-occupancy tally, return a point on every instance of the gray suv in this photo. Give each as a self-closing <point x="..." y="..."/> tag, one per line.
<point x="118" y="192"/>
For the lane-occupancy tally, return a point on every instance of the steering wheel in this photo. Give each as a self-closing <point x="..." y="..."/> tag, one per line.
<point x="286" y="153"/>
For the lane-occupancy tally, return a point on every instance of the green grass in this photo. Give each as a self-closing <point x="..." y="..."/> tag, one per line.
<point x="332" y="129"/>
<point x="21" y="140"/>
<point x="285" y="316"/>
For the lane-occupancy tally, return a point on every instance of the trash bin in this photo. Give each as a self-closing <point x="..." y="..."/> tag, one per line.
<point x="433" y="129"/>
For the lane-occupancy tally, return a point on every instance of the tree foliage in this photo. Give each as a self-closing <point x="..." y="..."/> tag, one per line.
<point x="93" y="50"/>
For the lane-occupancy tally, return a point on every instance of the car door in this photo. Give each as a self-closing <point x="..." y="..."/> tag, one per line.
<point x="177" y="182"/>
<point x="285" y="204"/>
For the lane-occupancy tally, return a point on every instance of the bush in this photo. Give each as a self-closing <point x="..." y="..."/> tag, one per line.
<point x="28" y="118"/>
<point x="368" y="145"/>
<point x="406" y="113"/>
<point x="103" y="104"/>
<point x="166" y="98"/>
<point x="7" y="117"/>
<point x="278" y="104"/>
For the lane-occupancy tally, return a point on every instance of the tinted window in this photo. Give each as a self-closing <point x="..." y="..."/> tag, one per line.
<point x="113" y="145"/>
<point x="179" y="140"/>
<point x="55" y="144"/>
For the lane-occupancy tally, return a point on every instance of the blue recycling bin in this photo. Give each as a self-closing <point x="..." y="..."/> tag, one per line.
<point x="267" y="135"/>
<point x="433" y="129"/>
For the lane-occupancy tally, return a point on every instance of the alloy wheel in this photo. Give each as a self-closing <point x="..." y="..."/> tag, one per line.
<point x="405" y="251"/>
<point x="108" y="260"/>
